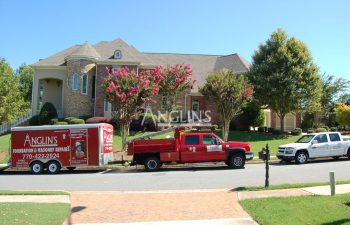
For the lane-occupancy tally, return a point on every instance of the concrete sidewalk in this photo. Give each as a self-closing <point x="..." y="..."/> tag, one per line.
<point x="35" y="198"/>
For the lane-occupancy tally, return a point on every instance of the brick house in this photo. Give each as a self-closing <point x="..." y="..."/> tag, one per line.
<point x="71" y="79"/>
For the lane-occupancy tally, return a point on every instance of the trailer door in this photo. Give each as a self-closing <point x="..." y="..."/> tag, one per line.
<point x="79" y="147"/>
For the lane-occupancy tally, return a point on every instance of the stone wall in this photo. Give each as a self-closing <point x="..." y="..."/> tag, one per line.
<point x="76" y="103"/>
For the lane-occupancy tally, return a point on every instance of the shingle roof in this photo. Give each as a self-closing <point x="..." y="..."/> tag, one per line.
<point x="201" y="64"/>
<point x="85" y="50"/>
<point x="129" y="53"/>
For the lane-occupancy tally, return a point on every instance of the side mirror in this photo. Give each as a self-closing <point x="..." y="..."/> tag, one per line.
<point x="314" y="142"/>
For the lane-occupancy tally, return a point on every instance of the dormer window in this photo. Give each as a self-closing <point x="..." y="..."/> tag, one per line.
<point x="117" y="54"/>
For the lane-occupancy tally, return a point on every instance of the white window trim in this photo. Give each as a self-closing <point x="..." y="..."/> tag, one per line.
<point x="77" y="86"/>
<point x="82" y="84"/>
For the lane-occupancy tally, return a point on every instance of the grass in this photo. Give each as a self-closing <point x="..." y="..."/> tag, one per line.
<point x="288" y="186"/>
<point x="33" y="213"/>
<point x="4" y="148"/>
<point x="10" y="192"/>
<point x="324" y="210"/>
<point x="259" y="140"/>
<point x="117" y="141"/>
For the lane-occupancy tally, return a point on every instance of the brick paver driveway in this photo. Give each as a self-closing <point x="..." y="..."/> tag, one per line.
<point x="128" y="207"/>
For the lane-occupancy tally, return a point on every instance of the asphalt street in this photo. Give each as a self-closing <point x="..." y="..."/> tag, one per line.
<point x="185" y="178"/>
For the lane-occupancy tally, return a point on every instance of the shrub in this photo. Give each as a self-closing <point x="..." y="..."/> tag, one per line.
<point x="53" y="121"/>
<point x="76" y="121"/>
<point x="296" y="131"/>
<point x="35" y="120"/>
<point x="99" y="119"/>
<point x="276" y="131"/>
<point x="262" y="129"/>
<point x="60" y="123"/>
<point x="214" y="127"/>
<point x="310" y="131"/>
<point x="270" y="129"/>
<point x="325" y="127"/>
<point x="334" y="129"/>
<point x="47" y="112"/>
<point x="68" y="119"/>
<point x="85" y="117"/>
<point x="320" y="129"/>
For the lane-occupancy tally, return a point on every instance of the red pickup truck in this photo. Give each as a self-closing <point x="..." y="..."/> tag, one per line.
<point x="189" y="148"/>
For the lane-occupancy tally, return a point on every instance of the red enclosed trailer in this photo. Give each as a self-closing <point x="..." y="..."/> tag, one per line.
<point x="57" y="146"/>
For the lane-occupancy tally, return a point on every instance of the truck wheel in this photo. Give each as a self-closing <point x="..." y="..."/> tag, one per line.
<point x="53" y="167"/>
<point x="152" y="164"/>
<point x="37" y="167"/>
<point x="237" y="161"/>
<point x="348" y="154"/>
<point x="301" y="157"/>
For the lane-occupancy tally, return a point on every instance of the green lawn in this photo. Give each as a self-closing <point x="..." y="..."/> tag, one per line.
<point x="33" y="213"/>
<point x="324" y="210"/>
<point x="259" y="140"/>
<point x="4" y="148"/>
<point x="288" y="186"/>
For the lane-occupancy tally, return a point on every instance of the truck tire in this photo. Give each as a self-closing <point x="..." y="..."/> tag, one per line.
<point x="53" y="167"/>
<point x="301" y="157"/>
<point x="348" y="153"/>
<point x="152" y="164"/>
<point x="237" y="161"/>
<point x="36" y="167"/>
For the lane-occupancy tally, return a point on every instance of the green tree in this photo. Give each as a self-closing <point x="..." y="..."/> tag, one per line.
<point x="252" y="116"/>
<point x="285" y="78"/>
<point x="331" y="89"/>
<point x="25" y="75"/>
<point x="11" y="100"/>
<point x="230" y="92"/>
<point x="342" y="113"/>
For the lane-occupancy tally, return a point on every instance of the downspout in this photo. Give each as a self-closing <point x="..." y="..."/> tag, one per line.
<point x="95" y="89"/>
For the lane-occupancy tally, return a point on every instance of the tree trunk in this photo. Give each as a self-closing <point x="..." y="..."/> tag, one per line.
<point x="225" y="130"/>
<point x="124" y="133"/>
<point x="282" y="123"/>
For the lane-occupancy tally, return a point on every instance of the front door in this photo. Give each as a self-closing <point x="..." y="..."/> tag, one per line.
<point x="195" y="111"/>
<point x="191" y="149"/>
<point x="320" y="148"/>
<point x="79" y="147"/>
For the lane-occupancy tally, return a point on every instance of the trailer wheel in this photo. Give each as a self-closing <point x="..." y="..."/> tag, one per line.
<point x="37" y="167"/>
<point x="152" y="164"/>
<point x="237" y="161"/>
<point x="53" y="167"/>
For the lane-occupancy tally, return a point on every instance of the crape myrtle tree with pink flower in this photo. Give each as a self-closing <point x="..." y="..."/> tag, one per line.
<point x="230" y="92"/>
<point x="129" y="91"/>
<point x="177" y="79"/>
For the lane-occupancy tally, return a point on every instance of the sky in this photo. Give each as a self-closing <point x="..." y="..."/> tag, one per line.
<point x="35" y="29"/>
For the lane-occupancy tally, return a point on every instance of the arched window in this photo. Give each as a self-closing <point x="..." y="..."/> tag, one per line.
<point x="75" y="82"/>
<point x="84" y="84"/>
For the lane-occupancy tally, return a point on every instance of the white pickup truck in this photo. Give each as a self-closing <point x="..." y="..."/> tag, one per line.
<point x="315" y="145"/>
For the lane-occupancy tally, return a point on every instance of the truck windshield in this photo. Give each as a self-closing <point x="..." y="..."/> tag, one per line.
<point x="305" y="139"/>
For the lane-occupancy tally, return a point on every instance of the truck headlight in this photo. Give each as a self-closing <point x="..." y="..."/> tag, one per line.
<point x="289" y="150"/>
